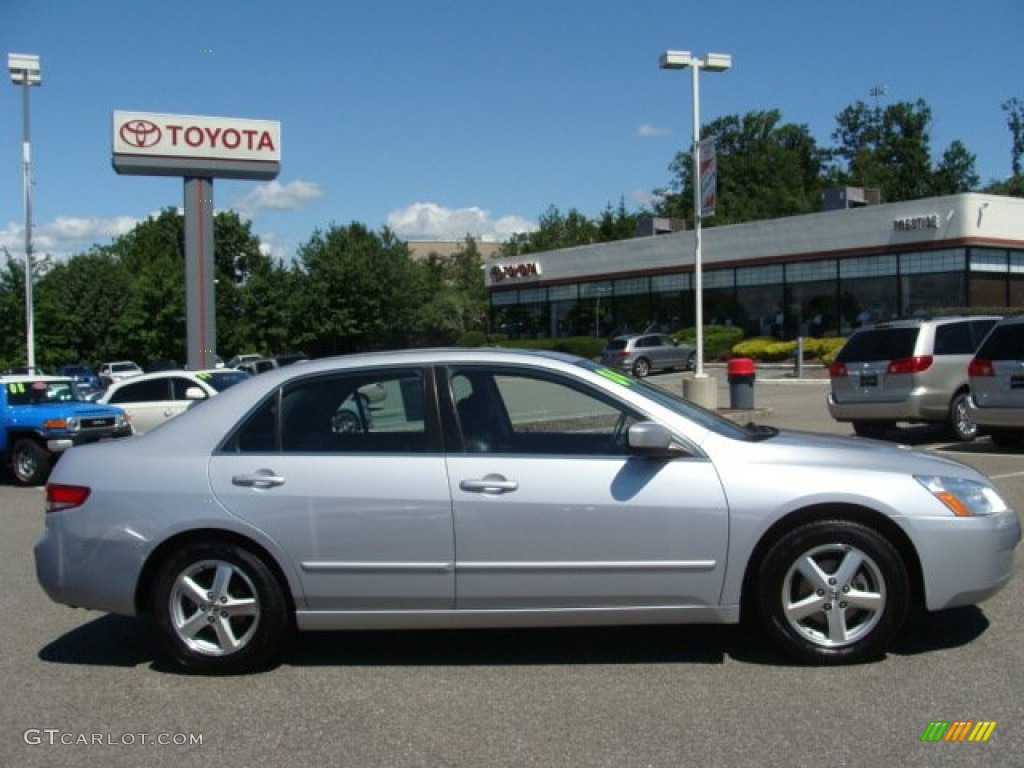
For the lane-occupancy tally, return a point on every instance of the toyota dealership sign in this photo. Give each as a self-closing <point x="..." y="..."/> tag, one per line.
<point x="149" y="143"/>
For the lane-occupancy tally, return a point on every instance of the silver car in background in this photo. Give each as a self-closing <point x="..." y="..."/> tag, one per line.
<point x="645" y="353"/>
<point x="997" y="384"/>
<point x="501" y="488"/>
<point x="907" y="371"/>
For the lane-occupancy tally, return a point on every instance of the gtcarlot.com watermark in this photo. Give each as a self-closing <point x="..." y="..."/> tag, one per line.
<point x="54" y="737"/>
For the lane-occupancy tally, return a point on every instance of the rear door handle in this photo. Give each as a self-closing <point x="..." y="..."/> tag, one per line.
<point x="261" y="478"/>
<point x="490" y="484"/>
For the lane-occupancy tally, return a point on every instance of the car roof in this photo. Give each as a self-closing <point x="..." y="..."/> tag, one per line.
<point x="25" y="378"/>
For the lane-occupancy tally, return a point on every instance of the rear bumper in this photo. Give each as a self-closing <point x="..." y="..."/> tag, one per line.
<point x="918" y="406"/>
<point x="1011" y="418"/>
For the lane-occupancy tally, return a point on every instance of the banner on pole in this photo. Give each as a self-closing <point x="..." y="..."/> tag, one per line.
<point x="708" y="176"/>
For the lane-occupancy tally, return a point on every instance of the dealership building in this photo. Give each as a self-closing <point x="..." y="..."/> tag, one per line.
<point x="817" y="274"/>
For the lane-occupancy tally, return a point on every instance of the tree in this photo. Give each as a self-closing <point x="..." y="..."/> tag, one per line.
<point x="458" y="300"/>
<point x="890" y="149"/>
<point x="356" y="289"/>
<point x="766" y="169"/>
<point x="79" y="306"/>
<point x="1014" y="109"/>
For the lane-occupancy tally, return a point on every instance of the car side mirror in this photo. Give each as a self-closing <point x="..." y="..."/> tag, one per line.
<point x="195" y="393"/>
<point x="648" y="438"/>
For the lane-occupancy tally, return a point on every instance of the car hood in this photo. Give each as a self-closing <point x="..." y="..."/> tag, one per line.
<point x="816" y="450"/>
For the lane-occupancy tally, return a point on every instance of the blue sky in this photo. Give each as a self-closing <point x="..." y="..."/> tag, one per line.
<point x="454" y="117"/>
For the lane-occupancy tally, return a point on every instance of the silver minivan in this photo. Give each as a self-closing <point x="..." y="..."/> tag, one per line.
<point x="996" y="374"/>
<point x="907" y="370"/>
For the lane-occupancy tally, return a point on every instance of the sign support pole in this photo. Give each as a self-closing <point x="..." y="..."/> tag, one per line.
<point x="200" y="270"/>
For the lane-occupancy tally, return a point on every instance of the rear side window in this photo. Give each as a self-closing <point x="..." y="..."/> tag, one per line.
<point x="879" y="344"/>
<point x="954" y="339"/>
<point x="617" y="344"/>
<point x="142" y="392"/>
<point x="1006" y="342"/>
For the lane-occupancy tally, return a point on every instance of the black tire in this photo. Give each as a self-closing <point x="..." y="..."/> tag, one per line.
<point x="872" y="429"/>
<point x="815" y="611"/>
<point x="30" y="462"/>
<point x="641" y="367"/>
<point x="242" y="629"/>
<point x="960" y="424"/>
<point x="691" y="362"/>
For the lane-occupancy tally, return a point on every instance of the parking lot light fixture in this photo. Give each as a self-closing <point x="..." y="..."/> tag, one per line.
<point x="25" y="72"/>
<point x="713" y="62"/>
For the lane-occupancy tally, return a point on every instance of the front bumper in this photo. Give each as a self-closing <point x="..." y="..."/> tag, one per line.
<point x="62" y="443"/>
<point x="964" y="560"/>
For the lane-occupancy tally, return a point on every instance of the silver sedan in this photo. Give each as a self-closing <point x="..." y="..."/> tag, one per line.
<point x="494" y="488"/>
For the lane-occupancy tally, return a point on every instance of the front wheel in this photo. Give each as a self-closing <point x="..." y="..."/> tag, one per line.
<point x="832" y="592"/>
<point x="30" y="462"/>
<point x="219" y="609"/>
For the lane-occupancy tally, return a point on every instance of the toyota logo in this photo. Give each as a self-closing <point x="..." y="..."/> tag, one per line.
<point x="140" y="133"/>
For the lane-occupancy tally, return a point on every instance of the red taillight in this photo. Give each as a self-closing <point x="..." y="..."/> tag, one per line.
<point x="915" y="364"/>
<point x="60" y="497"/>
<point x="837" y="369"/>
<point x="981" y="368"/>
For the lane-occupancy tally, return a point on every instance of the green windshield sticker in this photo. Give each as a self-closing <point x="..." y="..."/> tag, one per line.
<point x="618" y="378"/>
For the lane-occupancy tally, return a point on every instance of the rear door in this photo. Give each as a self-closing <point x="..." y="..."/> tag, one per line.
<point x="1004" y="349"/>
<point x="359" y="502"/>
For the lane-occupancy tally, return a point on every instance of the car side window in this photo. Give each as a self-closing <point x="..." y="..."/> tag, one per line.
<point x="953" y="339"/>
<point x="517" y="412"/>
<point x="365" y="412"/>
<point x="142" y="392"/>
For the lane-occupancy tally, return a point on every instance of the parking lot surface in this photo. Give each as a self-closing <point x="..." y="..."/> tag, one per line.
<point x="83" y="688"/>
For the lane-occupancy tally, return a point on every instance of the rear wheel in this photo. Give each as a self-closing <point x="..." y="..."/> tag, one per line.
<point x="219" y="609"/>
<point x="691" y="361"/>
<point x="960" y="423"/>
<point x="832" y="592"/>
<point x="641" y="367"/>
<point x="30" y="462"/>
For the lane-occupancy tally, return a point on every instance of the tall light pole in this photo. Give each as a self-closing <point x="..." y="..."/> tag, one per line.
<point x="713" y="62"/>
<point x="24" y="69"/>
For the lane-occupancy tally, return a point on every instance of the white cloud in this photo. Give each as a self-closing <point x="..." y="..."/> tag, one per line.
<point x="65" y="235"/>
<point x="648" y="131"/>
<point x="429" y="221"/>
<point x="275" y="196"/>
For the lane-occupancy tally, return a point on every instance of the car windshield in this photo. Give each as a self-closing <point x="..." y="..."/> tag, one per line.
<point x="686" y="408"/>
<point x="222" y="379"/>
<point x="41" y="392"/>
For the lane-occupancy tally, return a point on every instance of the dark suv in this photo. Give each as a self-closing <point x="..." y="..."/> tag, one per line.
<point x="907" y="370"/>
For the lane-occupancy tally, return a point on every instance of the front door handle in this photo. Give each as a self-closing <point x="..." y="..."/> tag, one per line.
<point x="490" y="484"/>
<point x="261" y="478"/>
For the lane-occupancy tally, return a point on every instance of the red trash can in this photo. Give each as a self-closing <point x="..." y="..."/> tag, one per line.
<point x="741" y="372"/>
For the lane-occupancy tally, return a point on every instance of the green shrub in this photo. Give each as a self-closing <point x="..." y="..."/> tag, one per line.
<point x="583" y="346"/>
<point x="718" y="339"/>
<point x="823" y="349"/>
<point x="471" y="339"/>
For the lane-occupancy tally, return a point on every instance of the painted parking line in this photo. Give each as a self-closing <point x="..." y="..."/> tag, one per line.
<point x="1007" y="476"/>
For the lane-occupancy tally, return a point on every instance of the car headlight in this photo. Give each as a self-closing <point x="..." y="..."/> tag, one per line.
<point x="73" y="424"/>
<point x="964" y="498"/>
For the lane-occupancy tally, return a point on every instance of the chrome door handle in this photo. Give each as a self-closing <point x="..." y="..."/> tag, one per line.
<point x="261" y="478"/>
<point x="492" y="484"/>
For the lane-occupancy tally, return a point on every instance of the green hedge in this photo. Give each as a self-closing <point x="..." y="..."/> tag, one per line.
<point x="772" y="350"/>
<point x="583" y="346"/>
<point x="718" y="339"/>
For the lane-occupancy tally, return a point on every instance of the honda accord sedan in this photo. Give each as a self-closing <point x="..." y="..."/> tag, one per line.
<point x="499" y="488"/>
